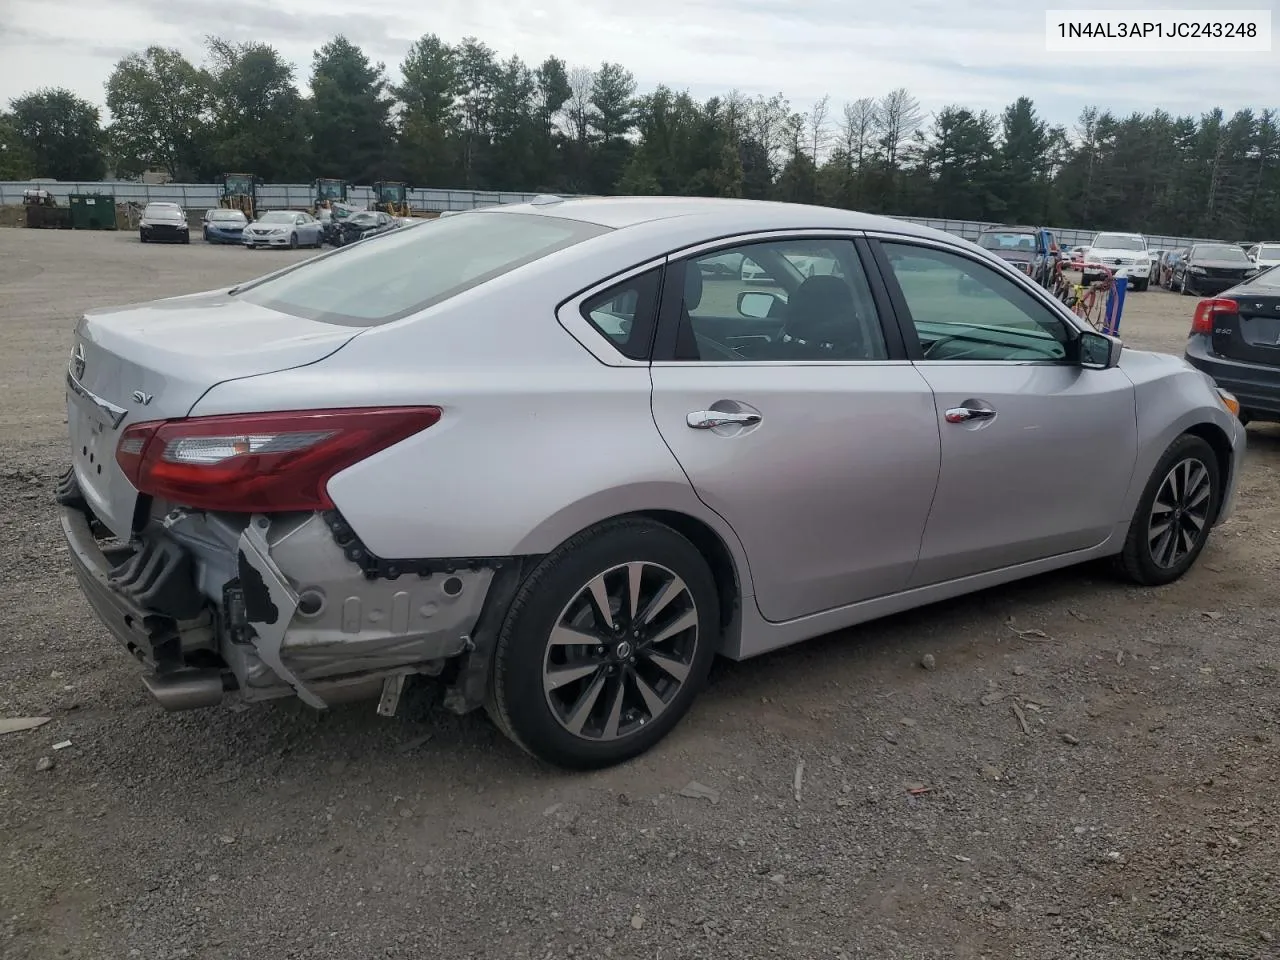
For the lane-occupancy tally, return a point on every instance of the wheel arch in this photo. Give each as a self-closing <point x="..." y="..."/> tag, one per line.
<point x="723" y="568"/>
<point x="1217" y="439"/>
<point x="715" y="541"/>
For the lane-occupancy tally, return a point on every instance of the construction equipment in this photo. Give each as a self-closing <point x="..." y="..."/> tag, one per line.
<point x="42" y="210"/>
<point x="391" y="197"/>
<point x="329" y="192"/>
<point x="240" y="192"/>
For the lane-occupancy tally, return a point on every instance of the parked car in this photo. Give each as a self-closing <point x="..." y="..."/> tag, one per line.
<point x="1209" y="268"/>
<point x="1168" y="262"/>
<point x="1033" y="250"/>
<point x="1264" y="256"/>
<point x="283" y="228"/>
<point x="163" y="223"/>
<point x="352" y="471"/>
<point x="1235" y="338"/>
<point x="225" y="226"/>
<point x="330" y="217"/>
<point x="1118" y="252"/>
<point x="358" y="226"/>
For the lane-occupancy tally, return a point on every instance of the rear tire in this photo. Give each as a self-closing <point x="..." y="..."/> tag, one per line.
<point x="1171" y="523"/>
<point x="293" y="241"/>
<point x="628" y="686"/>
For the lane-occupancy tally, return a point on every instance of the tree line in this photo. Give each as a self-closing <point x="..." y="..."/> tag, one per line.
<point x="462" y="117"/>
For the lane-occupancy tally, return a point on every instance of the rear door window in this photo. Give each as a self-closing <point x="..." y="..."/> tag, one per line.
<point x="404" y="271"/>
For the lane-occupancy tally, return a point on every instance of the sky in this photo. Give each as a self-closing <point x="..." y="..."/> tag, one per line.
<point x="978" y="53"/>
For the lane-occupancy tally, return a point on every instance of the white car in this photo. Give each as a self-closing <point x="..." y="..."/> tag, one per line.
<point x="284" y="228"/>
<point x="1264" y="256"/>
<point x="1119" y="252"/>
<point x="560" y="456"/>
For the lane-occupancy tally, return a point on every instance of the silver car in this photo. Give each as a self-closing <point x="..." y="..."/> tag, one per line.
<point x="561" y="455"/>
<point x="283" y="228"/>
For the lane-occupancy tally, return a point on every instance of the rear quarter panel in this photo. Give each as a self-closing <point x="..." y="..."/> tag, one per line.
<point x="538" y="439"/>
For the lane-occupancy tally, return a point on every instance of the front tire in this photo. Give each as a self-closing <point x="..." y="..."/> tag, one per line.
<point x="1184" y="288"/>
<point x="585" y="687"/>
<point x="1172" y="521"/>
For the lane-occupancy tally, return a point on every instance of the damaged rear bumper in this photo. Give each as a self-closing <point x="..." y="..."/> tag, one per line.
<point x="268" y="607"/>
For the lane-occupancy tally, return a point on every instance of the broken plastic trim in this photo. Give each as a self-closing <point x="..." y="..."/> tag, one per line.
<point x="378" y="568"/>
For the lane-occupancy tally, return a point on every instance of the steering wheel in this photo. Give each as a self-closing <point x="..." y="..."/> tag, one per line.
<point x="706" y="345"/>
<point x="928" y="354"/>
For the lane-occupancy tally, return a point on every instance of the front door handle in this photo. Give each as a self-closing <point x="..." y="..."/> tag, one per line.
<point x="965" y="414"/>
<point x="708" y="419"/>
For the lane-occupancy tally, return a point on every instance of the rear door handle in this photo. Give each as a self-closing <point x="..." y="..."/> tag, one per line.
<point x="965" y="414"/>
<point x="708" y="419"/>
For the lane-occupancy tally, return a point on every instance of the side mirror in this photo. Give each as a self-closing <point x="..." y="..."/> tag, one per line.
<point x="757" y="304"/>
<point x="1098" y="351"/>
<point x="968" y="286"/>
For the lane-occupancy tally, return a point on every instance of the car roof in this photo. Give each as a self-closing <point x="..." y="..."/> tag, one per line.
<point x="1010" y="228"/>
<point x="734" y="215"/>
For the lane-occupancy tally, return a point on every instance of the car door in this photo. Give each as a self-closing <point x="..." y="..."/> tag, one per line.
<point x="1037" y="450"/>
<point x="796" y="417"/>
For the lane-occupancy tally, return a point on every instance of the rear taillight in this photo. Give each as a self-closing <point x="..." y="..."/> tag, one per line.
<point x="1208" y="310"/>
<point x="260" y="463"/>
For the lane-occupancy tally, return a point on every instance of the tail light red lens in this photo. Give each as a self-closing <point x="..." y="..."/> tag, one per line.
<point x="260" y="463"/>
<point x="1208" y="310"/>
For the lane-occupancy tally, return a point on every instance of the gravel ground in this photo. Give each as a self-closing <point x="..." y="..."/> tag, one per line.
<point x="1102" y="786"/>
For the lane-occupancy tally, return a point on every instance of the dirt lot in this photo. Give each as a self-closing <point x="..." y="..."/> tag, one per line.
<point x="1135" y="816"/>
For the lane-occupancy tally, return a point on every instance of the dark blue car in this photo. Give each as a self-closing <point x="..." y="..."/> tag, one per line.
<point x="224" y="226"/>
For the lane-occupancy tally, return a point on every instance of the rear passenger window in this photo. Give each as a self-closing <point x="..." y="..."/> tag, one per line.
<point x="625" y="313"/>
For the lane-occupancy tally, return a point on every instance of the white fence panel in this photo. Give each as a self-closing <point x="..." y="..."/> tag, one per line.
<point x="300" y="196"/>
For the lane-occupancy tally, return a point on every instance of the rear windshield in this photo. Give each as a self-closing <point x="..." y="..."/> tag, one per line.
<point x="1269" y="251"/>
<point x="394" y="274"/>
<point x="1268" y="278"/>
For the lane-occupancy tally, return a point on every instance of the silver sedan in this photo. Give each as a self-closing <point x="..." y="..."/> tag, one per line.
<point x="561" y="455"/>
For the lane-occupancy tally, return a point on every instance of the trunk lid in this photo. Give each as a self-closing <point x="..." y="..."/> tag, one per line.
<point x="1253" y="334"/>
<point x="153" y="361"/>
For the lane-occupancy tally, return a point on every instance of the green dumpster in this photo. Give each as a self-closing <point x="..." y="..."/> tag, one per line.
<point x="92" y="211"/>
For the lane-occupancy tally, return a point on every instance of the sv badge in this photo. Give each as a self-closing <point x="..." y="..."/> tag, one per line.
<point x="142" y="398"/>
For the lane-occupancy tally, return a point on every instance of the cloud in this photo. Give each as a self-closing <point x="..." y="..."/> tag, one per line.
<point x="979" y="53"/>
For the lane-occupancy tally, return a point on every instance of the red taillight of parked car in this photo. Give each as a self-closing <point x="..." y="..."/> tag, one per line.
<point x="1208" y="310"/>
<point x="260" y="463"/>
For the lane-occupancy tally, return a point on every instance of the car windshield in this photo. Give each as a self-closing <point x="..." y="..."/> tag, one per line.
<point x="1219" y="251"/>
<point x="230" y="215"/>
<point x="1269" y="251"/>
<point x="162" y="210"/>
<point x="1008" y="241"/>
<point x="364" y="219"/>
<point x="278" y="216"/>
<point x="400" y="272"/>
<point x="1114" y="241"/>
